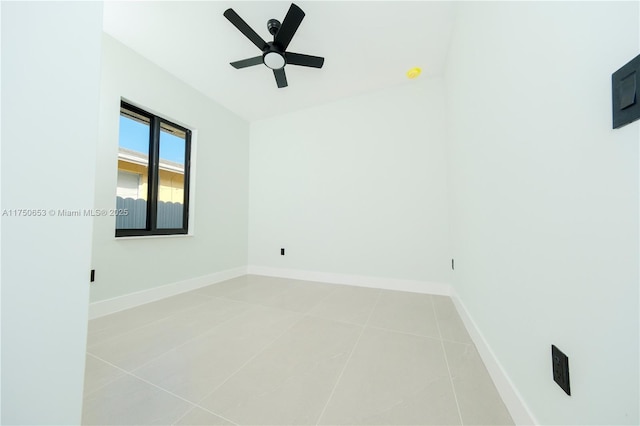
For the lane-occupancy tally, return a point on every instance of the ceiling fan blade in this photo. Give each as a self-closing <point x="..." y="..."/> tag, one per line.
<point x="304" y="60"/>
<point x="245" y="29"/>
<point x="289" y="26"/>
<point x="249" y="62"/>
<point x="281" y="77"/>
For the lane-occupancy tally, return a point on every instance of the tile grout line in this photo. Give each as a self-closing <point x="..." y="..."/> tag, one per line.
<point x="85" y="394"/>
<point x="194" y="406"/>
<point x="183" y="416"/>
<point x="164" y="390"/>
<point x="259" y="304"/>
<point x="252" y="358"/>
<point x="227" y="297"/>
<point x="266" y="346"/>
<point x="179" y="311"/>
<point x="446" y="360"/>
<point x="186" y="342"/>
<point x="416" y="334"/>
<point x="132" y="372"/>
<point x="193" y="339"/>
<point x="88" y="352"/>
<point x="320" y="301"/>
<point x="394" y="330"/>
<point x="210" y="298"/>
<point x="344" y="368"/>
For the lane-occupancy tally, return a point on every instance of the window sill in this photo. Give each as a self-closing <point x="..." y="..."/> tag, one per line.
<point x="146" y="237"/>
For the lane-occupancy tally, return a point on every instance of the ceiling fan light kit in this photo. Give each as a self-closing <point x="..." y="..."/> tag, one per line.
<point x="274" y="60"/>
<point x="274" y="53"/>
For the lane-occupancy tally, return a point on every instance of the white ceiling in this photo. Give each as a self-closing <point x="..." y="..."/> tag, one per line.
<point x="366" y="45"/>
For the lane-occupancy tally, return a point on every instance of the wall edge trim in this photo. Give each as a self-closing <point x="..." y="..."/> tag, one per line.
<point x="428" y="287"/>
<point x="520" y="412"/>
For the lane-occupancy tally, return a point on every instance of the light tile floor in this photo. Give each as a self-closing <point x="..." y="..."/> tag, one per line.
<point x="259" y="350"/>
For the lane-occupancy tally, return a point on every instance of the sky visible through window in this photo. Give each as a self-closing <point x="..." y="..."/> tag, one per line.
<point x="135" y="136"/>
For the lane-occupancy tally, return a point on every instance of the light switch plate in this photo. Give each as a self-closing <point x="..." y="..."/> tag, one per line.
<point x="624" y="93"/>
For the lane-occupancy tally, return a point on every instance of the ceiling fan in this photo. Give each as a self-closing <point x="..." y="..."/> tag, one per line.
<point x="274" y="54"/>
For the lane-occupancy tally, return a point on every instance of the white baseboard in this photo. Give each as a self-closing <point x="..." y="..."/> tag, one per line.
<point x="110" y="306"/>
<point x="512" y="399"/>
<point x="355" y="280"/>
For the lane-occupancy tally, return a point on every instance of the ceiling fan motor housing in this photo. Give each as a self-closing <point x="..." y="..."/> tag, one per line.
<point x="273" y="25"/>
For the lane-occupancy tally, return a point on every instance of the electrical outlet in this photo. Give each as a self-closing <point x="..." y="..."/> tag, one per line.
<point x="281" y="252"/>
<point x="560" y="369"/>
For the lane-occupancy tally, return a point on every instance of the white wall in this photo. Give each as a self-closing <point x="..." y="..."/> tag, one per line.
<point x="0" y="223"/>
<point x="354" y="187"/>
<point x="544" y="199"/>
<point x="220" y="182"/>
<point x="50" y="79"/>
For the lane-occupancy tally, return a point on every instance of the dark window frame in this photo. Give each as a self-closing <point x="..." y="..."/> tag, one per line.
<point x="153" y="177"/>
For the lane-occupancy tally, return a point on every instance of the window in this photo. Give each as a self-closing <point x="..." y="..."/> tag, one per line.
<point x="152" y="196"/>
